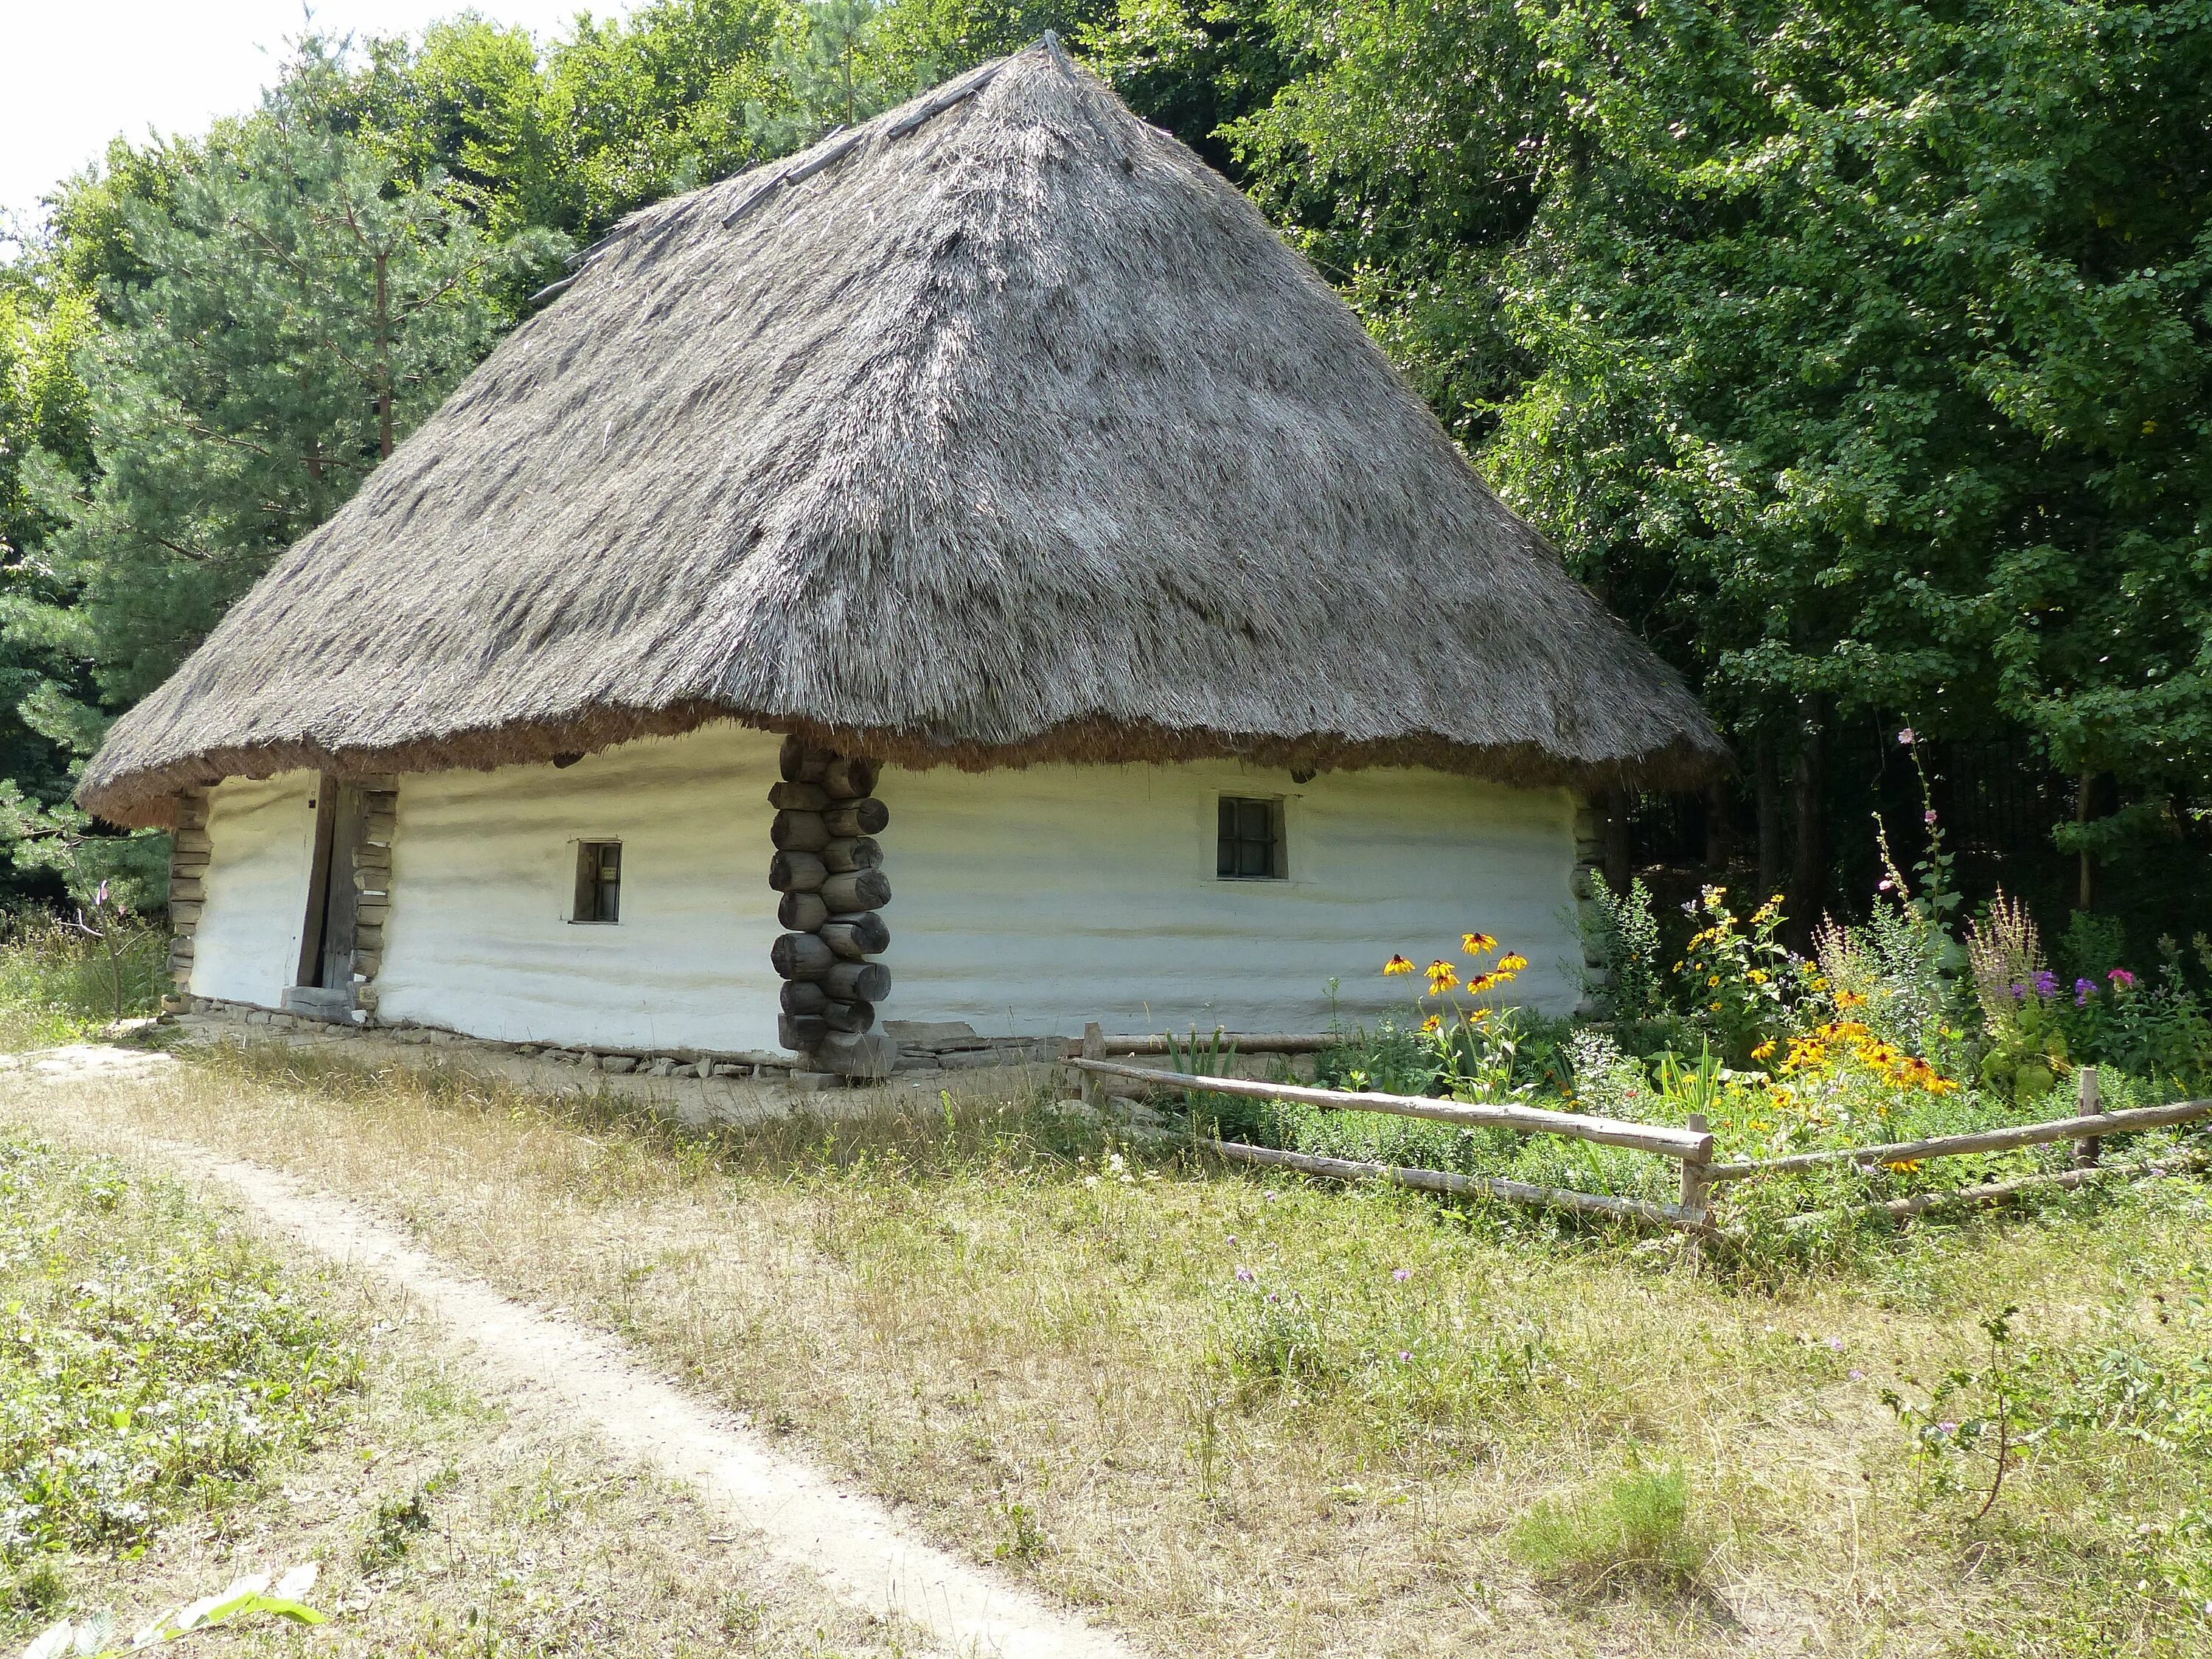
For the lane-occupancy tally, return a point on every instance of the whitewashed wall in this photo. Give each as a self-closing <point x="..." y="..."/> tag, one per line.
<point x="247" y="947"/>
<point x="1031" y="901"/>
<point x="483" y="868"/>
<point x="1023" y="901"/>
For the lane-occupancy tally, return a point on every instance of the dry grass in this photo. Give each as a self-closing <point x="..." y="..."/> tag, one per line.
<point x="445" y="1526"/>
<point x="1051" y="1361"/>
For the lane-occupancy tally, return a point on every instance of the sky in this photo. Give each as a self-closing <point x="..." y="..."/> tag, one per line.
<point x="77" y="72"/>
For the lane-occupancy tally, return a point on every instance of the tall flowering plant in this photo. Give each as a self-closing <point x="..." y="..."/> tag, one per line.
<point x="1474" y="1042"/>
<point x="1740" y="983"/>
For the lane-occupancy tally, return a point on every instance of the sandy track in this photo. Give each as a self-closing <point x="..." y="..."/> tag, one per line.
<point x="538" y="1362"/>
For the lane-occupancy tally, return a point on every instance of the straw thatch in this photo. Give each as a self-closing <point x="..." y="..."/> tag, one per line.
<point x="1001" y="429"/>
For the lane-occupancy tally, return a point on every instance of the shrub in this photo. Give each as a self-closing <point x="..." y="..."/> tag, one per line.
<point x="55" y="976"/>
<point x="1620" y="930"/>
<point x="1635" y="1532"/>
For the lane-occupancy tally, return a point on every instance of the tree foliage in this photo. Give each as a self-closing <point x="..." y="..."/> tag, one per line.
<point x="1856" y="354"/>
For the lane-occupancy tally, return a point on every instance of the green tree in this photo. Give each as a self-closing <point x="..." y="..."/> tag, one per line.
<point x="301" y="310"/>
<point x="1856" y="356"/>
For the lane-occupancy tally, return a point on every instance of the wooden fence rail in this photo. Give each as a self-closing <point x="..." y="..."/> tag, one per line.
<point x="1443" y="1181"/>
<point x="1242" y="1042"/>
<point x="1986" y="1140"/>
<point x="1469" y="1115"/>
<point x="1692" y="1146"/>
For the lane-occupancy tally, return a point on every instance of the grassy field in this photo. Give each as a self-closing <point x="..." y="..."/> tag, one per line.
<point x="1248" y="1416"/>
<point x="179" y="1406"/>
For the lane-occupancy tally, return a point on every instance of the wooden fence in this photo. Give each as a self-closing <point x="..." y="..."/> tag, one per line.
<point x="1691" y="1146"/>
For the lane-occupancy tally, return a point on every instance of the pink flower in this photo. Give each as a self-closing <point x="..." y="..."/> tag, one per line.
<point x="1245" y="1275"/>
<point x="1906" y="737"/>
<point x="1858" y="1377"/>
<point x="1927" y="818"/>
<point x="1401" y="1275"/>
<point x="1405" y="1356"/>
<point x="2121" y="979"/>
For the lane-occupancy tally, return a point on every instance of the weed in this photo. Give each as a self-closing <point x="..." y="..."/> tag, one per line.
<point x="39" y="1586"/>
<point x="397" y="1521"/>
<point x="1634" y="1532"/>
<point x="1023" y="1536"/>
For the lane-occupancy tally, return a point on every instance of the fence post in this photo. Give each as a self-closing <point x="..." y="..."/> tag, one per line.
<point x="1094" y="1048"/>
<point x="1697" y="1189"/>
<point x="2087" y="1152"/>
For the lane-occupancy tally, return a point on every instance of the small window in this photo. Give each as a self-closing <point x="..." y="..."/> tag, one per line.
<point x="1251" y="844"/>
<point x="599" y="881"/>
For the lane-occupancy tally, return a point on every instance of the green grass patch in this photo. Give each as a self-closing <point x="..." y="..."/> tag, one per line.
<point x="151" y="1363"/>
<point x="1634" y="1532"/>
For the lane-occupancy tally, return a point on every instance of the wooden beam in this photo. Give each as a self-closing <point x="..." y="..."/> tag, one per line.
<point x="1987" y="1140"/>
<point x="1471" y="1114"/>
<point x="1440" y="1181"/>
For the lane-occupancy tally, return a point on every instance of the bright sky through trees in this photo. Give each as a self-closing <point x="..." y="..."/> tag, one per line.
<point x="80" y="72"/>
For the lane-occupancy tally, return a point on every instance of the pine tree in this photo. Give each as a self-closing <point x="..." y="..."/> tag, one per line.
<point x="302" y="309"/>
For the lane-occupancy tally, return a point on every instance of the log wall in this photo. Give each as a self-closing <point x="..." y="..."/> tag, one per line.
<point x="189" y="853"/>
<point x="828" y="870"/>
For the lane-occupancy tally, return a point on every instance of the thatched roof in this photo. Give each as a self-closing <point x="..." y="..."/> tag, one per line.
<point x="1000" y="429"/>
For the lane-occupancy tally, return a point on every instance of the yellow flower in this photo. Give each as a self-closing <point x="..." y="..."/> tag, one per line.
<point x="1397" y="965"/>
<point x="1512" y="965"/>
<point x="1477" y="944"/>
<point x="1850" y="1000"/>
<point x="1765" y="1051"/>
<point x="1482" y="982"/>
<point x="1433" y="1023"/>
<point x="1441" y="976"/>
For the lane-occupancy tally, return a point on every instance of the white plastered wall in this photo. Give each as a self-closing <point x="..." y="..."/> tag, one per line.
<point x="247" y="947"/>
<point x="1031" y="901"/>
<point x="1023" y="901"/>
<point x="483" y="868"/>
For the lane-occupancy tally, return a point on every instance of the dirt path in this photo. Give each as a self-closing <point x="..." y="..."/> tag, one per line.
<point x="850" y="1541"/>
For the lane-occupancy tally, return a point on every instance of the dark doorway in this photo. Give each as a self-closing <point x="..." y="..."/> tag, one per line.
<point x="326" y="942"/>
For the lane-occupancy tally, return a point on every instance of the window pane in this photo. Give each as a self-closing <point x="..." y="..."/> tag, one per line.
<point x="1253" y="820"/>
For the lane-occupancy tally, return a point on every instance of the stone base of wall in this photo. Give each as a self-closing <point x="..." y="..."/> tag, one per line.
<point x="930" y="1055"/>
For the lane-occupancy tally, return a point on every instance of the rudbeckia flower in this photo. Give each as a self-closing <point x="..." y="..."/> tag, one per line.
<point x="1399" y="965"/>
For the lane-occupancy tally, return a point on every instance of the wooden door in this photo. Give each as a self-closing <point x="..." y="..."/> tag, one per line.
<point x="326" y="943"/>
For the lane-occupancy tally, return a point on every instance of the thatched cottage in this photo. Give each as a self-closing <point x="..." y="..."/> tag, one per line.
<point x="984" y="507"/>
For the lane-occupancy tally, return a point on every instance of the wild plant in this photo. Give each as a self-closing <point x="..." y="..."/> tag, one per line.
<point x="1605" y="1080"/>
<point x="1622" y="931"/>
<point x="1969" y="1436"/>
<point x="1740" y="981"/>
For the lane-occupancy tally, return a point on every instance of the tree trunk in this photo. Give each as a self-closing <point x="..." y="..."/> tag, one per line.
<point x="1767" y="781"/>
<point x="1808" y="873"/>
<point x="2085" y="896"/>
<point x="384" y="442"/>
<point x="1719" y="842"/>
<point x="1619" y="847"/>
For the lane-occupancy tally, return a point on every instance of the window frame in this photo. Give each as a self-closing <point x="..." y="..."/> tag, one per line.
<point x="1230" y="834"/>
<point x="594" y="889"/>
